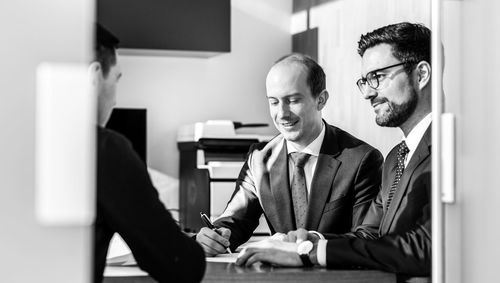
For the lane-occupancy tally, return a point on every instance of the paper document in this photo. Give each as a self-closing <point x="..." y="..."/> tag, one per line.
<point x="122" y="260"/>
<point x="123" y="271"/>
<point x="227" y="258"/>
<point x="129" y="260"/>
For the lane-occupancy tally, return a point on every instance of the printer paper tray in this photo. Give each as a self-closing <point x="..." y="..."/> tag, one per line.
<point x="223" y="170"/>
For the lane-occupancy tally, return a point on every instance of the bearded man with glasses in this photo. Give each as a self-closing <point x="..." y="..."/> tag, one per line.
<point x="395" y="234"/>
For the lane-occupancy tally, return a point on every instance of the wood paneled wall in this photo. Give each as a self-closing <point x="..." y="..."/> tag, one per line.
<point x="340" y="24"/>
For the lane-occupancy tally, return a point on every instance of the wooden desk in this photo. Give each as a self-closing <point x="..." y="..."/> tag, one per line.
<point x="229" y="272"/>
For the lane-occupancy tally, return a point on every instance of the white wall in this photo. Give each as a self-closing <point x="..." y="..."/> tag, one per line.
<point x="179" y="91"/>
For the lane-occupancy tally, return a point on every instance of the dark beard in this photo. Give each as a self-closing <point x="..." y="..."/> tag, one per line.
<point x="398" y="113"/>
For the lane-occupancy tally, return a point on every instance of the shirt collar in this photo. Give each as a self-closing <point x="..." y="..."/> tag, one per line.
<point x="313" y="148"/>
<point x="416" y="134"/>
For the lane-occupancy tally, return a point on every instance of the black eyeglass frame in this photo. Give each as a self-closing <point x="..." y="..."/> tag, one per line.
<point x="366" y="80"/>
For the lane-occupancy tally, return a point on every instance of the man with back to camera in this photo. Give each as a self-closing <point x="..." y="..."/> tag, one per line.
<point x="395" y="235"/>
<point x="312" y="175"/>
<point x="127" y="202"/>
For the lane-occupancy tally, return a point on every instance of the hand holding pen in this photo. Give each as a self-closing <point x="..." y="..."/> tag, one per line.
<point x="213" y="240"/>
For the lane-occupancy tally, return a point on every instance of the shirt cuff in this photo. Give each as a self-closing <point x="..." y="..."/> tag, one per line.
<point x="320" y="236"/>
<point x="321" y="252"/>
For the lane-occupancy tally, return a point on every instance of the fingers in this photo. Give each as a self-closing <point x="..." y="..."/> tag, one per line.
<point x="242" y="257"/>
<point x="253" y="255"/>
<point x="291" y="236"/>
<point x="279" y="237"/>
<point x="256" y="257"/>
<point x="224" y="232"/>
<point x="261" y="155"/>
<point x="296" y="236"/>
<point x="211" y="242"/>
<point x="270" y="145"/>
<point x="301" y="235"/>
<point x="249" y="256"/>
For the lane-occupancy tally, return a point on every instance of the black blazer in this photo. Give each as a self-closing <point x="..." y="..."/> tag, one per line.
<point x="345" y="181"/>
<point x="399" y="239"/>
<point x="128" y="204"/>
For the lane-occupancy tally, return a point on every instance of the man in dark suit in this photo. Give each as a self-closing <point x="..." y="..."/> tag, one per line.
<point x="127" y="202"/>
<point x="396" y="233"/>
<point x="339" y="174"/>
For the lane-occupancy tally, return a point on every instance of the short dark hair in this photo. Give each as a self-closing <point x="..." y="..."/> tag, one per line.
<point x="316" y="79"/>
<point x="104" y="48"/>
<point x="411" y="42"/>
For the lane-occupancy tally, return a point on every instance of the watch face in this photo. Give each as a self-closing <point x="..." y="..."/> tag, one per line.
<point x="305" y="247"/>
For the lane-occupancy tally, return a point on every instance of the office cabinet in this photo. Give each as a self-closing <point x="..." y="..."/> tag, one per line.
<point x="168" y="25"/>
<point x="207" y="171"/>
<point x="211" y="157"/>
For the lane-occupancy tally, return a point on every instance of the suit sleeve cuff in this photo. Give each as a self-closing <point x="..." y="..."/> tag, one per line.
<point x="320" y="236"/>
<point x="321" y="252"/>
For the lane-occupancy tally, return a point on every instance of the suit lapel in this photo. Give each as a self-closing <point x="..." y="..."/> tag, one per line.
<point x="321" y="185"/>
<point x="280" y="189"/>
<point x="422" y="152"/>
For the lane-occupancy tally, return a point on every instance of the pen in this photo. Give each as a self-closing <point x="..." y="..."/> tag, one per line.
<point x="209" y="224"/>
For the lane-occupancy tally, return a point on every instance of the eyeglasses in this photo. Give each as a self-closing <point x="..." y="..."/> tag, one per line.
<point x="373" y="79"/>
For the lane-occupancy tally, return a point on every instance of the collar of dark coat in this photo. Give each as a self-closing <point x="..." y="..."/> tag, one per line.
<point x="422" y="152"/>
<point x="330" y="145"/>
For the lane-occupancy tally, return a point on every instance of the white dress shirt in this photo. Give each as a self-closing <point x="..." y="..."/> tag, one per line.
<point x="412" y="141"/>
<point x="415" y="135"/>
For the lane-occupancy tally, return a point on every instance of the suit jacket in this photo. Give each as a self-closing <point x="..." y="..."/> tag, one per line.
<point x="128" y="204"/>
<point x="398" y="239"/>
<point x="345" y="181"/>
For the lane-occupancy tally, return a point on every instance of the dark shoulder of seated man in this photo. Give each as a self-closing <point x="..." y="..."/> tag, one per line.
<point x="128" y="204"/>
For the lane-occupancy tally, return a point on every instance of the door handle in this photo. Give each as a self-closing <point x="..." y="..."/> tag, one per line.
<point x="448" y="165"/>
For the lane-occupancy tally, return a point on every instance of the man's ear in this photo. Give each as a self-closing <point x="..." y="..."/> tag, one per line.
<point x="423" y="72"/>
<point x="322" y="99"/>
<point x="95" y="73"/>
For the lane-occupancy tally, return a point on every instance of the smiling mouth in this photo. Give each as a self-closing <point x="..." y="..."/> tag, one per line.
<point x="377" y="103"/>
<point x="289" y="124"/>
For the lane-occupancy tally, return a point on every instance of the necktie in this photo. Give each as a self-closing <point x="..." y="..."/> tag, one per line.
<point x="402" y="151"/>
<point x="298" y="187"/>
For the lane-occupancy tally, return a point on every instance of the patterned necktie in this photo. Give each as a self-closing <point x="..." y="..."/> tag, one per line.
<point x="298" y="187"/>
<point x="402" y="151"/>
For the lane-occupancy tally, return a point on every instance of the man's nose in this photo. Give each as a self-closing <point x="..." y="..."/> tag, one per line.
<point x="369" y="93"/>
<point x="283" y="110"/>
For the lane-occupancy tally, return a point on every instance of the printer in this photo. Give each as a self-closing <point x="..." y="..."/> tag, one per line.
<point x="211" y="156"/>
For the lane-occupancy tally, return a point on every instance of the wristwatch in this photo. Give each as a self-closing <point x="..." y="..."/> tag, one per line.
<point x="304" y="249"/>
